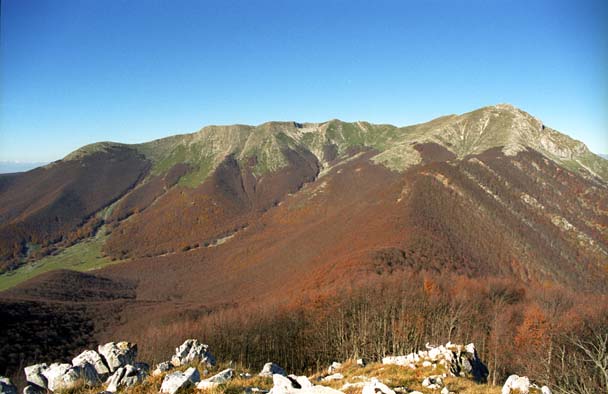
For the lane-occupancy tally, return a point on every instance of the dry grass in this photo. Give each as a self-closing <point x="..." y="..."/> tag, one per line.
<point x="392" y="375"/>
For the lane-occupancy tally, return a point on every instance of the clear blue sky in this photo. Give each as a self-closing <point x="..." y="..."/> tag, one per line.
<point x="76" y="72"/>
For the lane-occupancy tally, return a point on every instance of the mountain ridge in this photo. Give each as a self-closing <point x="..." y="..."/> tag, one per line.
<point x="501" y="125"/>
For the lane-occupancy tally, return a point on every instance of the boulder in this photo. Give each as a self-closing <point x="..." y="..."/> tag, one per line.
<point x="192" y="351"/>
<point x="361" y="362"/>
<point x="62" y="376"/>
<point x="516" y="384"/>
<point x="271" y="369"/>
<point x="126" y="376"/>
<point x="302" y="381"/>
<point x="177" y="380"/>
<point x="93" y="358"/>
<point x="54" y="375"/>
<point x="545" y="390"/>
<point x="217" y="379"/>
<point x="6" y="386"/>
<point x="33" y="389"/>
<point x="467" y="363"/>
<point x="118" y="355"/>
<point x="34" y="374"/>
<point x="375" y="386"/>
<point x="165" y="366"/>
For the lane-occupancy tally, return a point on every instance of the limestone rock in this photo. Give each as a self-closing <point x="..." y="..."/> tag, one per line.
<point x="192" y="351"/>
<point x="217" y="379"/>
<point x="6" y="386"/>
<point x="54" y="374"/>
<point x="545" y="390"/>
<point x="361" y="362"/>
<point x="516" y="384"/>
<point x="374" y="386"/>
<point x="270" y="369"/>
<point x="118" y="355"/>
<point x="177" y="380"/>
<point x="126" y="376"/>
<point x="34" y="374"/>
<point x="93" y="358"/>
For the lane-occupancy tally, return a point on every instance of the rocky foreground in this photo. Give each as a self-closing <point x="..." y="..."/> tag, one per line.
<point x="444" y="369"/>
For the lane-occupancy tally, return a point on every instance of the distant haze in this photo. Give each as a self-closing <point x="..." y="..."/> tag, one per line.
<point x="7" y="167"/>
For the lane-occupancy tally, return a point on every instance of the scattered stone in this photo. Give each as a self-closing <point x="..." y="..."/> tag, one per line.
<point x="460" y="360"/>
<point x="93" y="358"/>
<point x="334" y="367"/>
<point x="34" y="374"/>
<point x="545" y="390"/>
<point x="118" y="355"/>
<point x="245" y="375"/>
<point x="217" y="379"/>
<point x="177" y="380"/>
<point x="6" y="386"/>
<point x="192" y="351"/>
<point x="374" y="386"/>
<point x="302" y="381"/>
<point x="165" y="366"/>
<point x="516" y="384"/>
<point x="127" y="376"/>
<point x="361" y="362"/>
<point x="255" y="390"/>
<point x="433" y="382"/>
<point x="271" y="369"/>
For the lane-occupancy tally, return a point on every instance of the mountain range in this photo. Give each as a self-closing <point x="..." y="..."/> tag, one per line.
<point x="239" y="215"/>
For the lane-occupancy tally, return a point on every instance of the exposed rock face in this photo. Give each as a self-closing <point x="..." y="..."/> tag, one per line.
<point x="54" y="374"/>
<point x="271" y="369"/>
<point x="217" y="379"/>
<point x="192" y="351"/>
<point x="93" y="358"/>
<point x="6" y="386"/>
<point x="34" y="374"/>
<point x="118" y="355"/>
<point x="177" y="380"/>
<point x="127" y="376"/>
<point x="460" y="360"/>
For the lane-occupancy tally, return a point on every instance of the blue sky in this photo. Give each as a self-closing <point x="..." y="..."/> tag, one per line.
<point x="76" y="72"/>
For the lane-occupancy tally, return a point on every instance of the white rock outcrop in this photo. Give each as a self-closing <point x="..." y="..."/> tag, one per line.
<point x="177" y="380"/>
<point x="127" y="376"/>
<point x="34" y="374"/>
<point x="161" y="368"/>
<point x="118" y="355"/>
<point x="93" y="358"/>
<point x="459" y="359"/>
<point x="516" y="384"/>
<point x="192" y="351"/>
<point x="217" y="379"/>
<point x="334" y="367"/>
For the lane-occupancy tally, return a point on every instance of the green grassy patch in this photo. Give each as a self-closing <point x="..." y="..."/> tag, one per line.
<point x="83" y="256"/>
